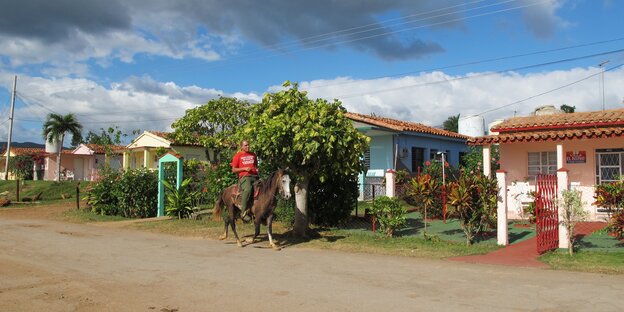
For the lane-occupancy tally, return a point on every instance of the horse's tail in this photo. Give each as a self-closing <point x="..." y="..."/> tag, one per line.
<point x="218" y="207"/>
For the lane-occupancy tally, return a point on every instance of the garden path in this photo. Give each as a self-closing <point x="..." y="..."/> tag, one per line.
<point x="524" y="254"/>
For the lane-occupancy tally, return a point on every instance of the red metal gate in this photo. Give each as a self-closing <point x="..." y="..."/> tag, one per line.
<point x="547" y="217"/>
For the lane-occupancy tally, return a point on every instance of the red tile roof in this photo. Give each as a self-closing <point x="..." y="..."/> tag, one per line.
<point x="558" y="127"/>
<point x="101" y="149"/>
<point x="614" y="117"/>
<point x="26" y="150"/>
<point x="18" y="151"/>
<point x="400" y="125"/>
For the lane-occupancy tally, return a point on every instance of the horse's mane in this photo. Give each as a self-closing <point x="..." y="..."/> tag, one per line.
<point x="266" y="184"/>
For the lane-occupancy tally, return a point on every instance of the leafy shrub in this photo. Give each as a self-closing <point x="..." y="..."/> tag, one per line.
<point x="138" y="193"/>
<point x="529" y="210"/>
<point x="130" y="194"/>
<point x="332" y="200"/>
<point x="572" y="212"/>
<point x="616" y="224"/>
<point x="180" y="201"/>
<point x="390" y="213"/>
<point x="473" y="200"/>
<point x="22" y="167"/>
<point x="610" y="196"/>
<point x="425" y="191"/>
<point x="102" y="195"/>
<point x="219" y="176"/>
<point x="285" y="211"/>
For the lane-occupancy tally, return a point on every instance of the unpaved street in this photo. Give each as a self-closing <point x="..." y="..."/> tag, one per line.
<point x="53" y="266"/>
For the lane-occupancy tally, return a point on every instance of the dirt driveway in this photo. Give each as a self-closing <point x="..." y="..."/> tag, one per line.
<point x="47" y="265"/>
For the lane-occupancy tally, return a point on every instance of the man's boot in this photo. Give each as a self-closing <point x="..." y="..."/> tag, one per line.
<point x="245" y="215"/>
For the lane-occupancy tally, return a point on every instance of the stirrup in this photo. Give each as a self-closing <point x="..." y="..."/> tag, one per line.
<point x="245" y="216"/>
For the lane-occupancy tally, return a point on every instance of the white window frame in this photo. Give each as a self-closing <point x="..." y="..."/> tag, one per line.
<point x="599" y="166"/>
<point x="546" y="163"/>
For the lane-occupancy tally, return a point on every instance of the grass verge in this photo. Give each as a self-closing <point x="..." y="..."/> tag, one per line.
<point x="588" y="261"/>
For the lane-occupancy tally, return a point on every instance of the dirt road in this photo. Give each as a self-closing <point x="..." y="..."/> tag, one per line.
<point x="52" y="266"/>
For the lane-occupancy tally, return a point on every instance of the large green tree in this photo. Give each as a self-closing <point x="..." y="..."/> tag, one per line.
<point x="215" y="124"/>
<point x="313" y="138"/>
<point x="55" y="128"/>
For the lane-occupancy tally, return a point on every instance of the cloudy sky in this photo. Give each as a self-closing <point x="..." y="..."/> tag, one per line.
<point x="139" y="64"/>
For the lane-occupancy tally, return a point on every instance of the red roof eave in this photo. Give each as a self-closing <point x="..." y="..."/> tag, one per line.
<point x="558" y="127"/>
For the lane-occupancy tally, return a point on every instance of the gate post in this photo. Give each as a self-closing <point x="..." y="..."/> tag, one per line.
<point x="562" y="184"/>
<point x="390" y="187"/>
<point x="501" y="210"/>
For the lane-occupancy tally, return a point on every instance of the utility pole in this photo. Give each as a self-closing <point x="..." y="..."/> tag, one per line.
<point x="8" y="150"/>
<point x="601" y="65"/>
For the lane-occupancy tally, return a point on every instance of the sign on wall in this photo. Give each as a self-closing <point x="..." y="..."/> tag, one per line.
<point x="579" y="157"/>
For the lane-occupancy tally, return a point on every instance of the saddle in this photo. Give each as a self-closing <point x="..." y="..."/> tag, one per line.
<point x="236" y="194"/>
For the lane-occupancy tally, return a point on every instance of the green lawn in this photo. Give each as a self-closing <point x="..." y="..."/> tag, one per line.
<point x="50" y="190"/>
<point x="611" y="262"/>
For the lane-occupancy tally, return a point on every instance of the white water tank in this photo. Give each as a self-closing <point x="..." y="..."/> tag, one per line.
<point x="471" y="125"/>
<point x="52" y="147"/>
<point x="546" y="110"/>
<point x="492" y="125"/>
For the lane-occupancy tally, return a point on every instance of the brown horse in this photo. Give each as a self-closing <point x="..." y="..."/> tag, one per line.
<point x="262" y="208"/>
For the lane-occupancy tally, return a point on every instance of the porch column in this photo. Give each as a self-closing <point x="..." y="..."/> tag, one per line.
<point x="501" y="211"/>
<point x="145" y="158"/>
<point x="562" y="184"/>
<point x="487" y="160"/>
<point x="560" y="155"/>
<point x="125" y="160"/>
<point x="390" y="187"/>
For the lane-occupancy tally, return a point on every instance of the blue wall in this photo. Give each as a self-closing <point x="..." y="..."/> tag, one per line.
<point x="382" y="149"/>
<point x="381" y="152"/>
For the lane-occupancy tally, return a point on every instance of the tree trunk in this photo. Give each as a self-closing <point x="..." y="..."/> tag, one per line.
<point x="58" y="160"/>
<point x="570" y="240"/>
<point x="301" y="211"/>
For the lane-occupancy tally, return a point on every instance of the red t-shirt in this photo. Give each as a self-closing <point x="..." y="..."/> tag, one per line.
<point x="245" y="159"/>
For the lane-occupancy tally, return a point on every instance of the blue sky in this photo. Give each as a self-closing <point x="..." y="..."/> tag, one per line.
<point x="140" y="64"/>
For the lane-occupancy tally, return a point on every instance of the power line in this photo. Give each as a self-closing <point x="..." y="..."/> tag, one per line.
<point x="549" y="91"/>
<point x="475" y="62"/>
<point x="479" y="75"/>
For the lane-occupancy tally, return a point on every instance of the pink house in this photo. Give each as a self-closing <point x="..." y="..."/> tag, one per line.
<point x="581" y="149"/>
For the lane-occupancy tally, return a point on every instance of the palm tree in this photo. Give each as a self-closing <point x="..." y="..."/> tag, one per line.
<point x="451" y="123"/>
<point x="55" y="127"/>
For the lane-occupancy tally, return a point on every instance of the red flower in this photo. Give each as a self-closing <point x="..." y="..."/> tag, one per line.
<point x="446" y="164"/>
<point x="427" y="163"/>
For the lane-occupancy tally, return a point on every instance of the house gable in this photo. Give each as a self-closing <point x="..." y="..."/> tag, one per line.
<point x="148" y="139"/>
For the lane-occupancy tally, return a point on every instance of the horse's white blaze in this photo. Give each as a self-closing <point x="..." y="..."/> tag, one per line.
<point x="286" y="186"/>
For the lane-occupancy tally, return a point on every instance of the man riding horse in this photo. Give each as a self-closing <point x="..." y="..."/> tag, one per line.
<point x="245" y="164"/>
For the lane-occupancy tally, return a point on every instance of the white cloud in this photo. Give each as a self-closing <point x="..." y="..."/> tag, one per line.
<point x="422" y="99"/>
<point x="137" y="103"/>
<point x="143" y="103"/>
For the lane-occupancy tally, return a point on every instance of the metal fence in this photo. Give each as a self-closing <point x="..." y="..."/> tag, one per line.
<point x="373" y="187"/>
